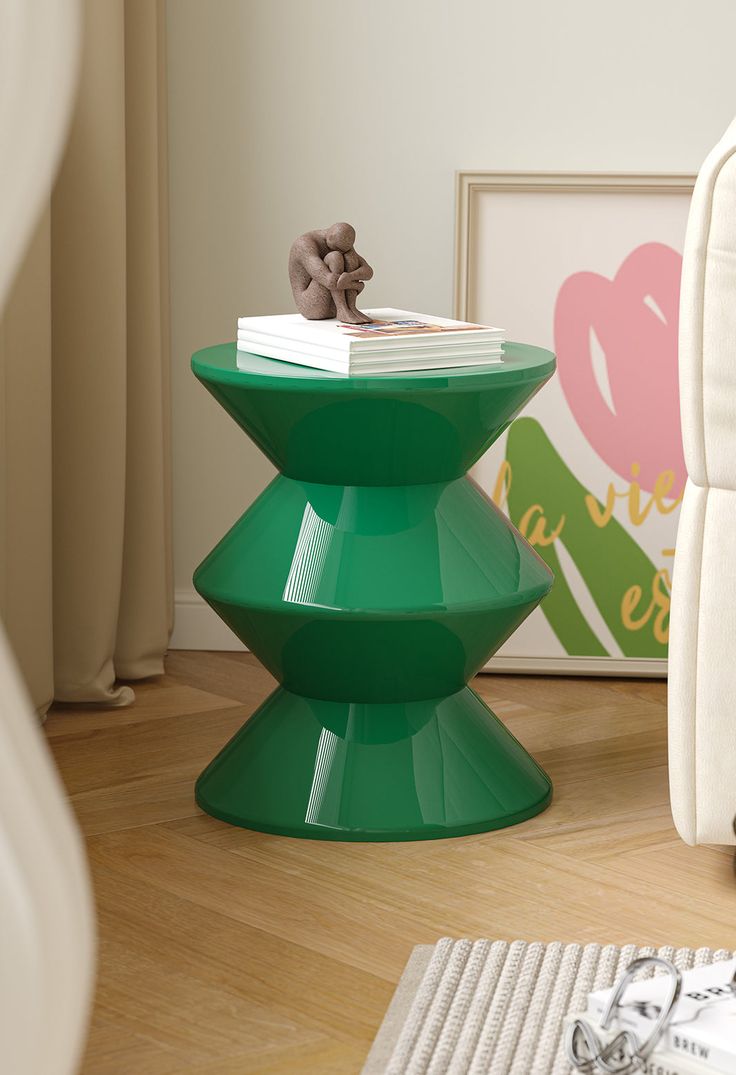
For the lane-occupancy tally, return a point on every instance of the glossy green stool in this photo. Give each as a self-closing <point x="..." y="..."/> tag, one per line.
<point x="373" y="579"/>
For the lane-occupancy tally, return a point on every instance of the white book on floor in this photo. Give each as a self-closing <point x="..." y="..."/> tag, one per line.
<point x="703" y="1025"/>
<point x="666" y="1063"/>
<point x="661" y="1061"/>
<point x="408" y="340"/>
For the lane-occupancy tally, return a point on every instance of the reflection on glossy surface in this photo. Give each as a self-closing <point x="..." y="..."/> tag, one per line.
<point x="341" y="770"/>
<point x="363" y="593"/>
<point x="373" y="579"/>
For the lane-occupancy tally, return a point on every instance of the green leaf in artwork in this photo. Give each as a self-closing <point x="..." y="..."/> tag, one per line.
<point x="626" y="587"/>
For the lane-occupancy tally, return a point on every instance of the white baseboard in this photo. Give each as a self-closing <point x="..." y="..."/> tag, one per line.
<point x="631" y="667"/>
<point x="196" y="626"/>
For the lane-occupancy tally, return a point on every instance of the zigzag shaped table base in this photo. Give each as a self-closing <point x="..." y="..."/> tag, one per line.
<point x="373" y="579"/>
<point x="372" y="771"/>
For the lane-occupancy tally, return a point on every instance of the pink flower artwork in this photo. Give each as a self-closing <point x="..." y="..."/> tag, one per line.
<point x="616" y="343"/>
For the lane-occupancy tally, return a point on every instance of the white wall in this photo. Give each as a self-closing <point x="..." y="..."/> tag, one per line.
<point x="291" y="114"/>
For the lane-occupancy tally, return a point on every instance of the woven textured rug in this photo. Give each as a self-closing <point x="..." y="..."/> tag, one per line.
<point x="497" y="1008"/>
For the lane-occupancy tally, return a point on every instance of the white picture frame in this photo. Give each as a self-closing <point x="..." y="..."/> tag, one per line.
<point x="600" y="219"/>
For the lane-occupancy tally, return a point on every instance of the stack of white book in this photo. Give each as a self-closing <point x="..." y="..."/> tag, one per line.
<point x="701" y="1036"/>
<point x="395" y="341"/>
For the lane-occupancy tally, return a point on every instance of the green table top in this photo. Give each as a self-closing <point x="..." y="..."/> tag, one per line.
<point x="521" y="363"/>
<point x="382" y="429"/>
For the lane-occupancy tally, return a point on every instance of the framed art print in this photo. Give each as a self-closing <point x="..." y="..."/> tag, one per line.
<point x="592" y="472"/>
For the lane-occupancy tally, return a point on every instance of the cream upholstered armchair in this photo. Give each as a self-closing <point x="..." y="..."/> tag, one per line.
<point x="702" y="655"/>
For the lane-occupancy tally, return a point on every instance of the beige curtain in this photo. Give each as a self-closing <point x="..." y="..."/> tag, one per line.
<point x="85" y="542"/>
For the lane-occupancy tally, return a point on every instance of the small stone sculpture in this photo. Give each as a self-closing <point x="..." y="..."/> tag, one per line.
<point x="327" y="274"/>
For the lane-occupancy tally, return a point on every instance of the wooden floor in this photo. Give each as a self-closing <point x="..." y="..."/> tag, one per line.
<point x="224" y="952"/>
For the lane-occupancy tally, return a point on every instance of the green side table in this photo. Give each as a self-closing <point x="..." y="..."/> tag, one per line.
<point x="373" y="579"/>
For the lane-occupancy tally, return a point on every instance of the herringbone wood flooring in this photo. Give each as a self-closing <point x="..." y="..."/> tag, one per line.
<point x="224" y="951"/>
